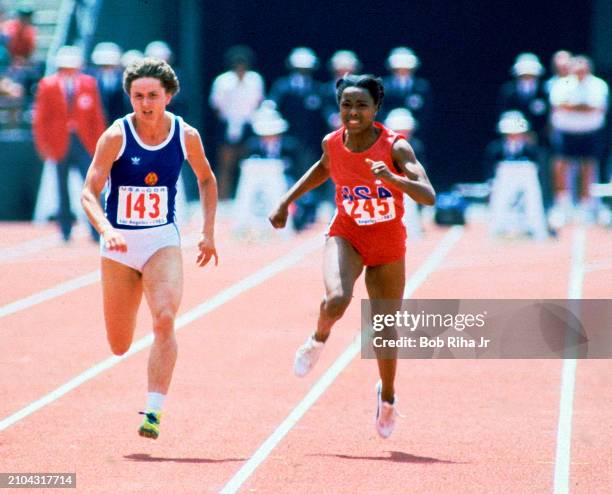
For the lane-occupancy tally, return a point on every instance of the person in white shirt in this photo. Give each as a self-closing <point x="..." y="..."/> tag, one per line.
<point x="579" y="104"/>
<point x="235" y="95"/>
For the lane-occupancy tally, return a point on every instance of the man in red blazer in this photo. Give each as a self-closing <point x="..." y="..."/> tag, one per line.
<point x="67" y="122"/>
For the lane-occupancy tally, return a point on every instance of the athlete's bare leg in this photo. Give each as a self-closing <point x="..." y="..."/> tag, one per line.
<point x="386" y="282"/>
<point x="122" y="293"/>
<point x="163" y="287"/>
<point x="342" y="265"/>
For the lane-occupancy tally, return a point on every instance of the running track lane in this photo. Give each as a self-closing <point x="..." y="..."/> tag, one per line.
<point x="176" y="462"/>
<point x="75" y="321"/>
<point x="591" y="462"/>
<point x="472" y="426"/>
<point x="223" y="401"/>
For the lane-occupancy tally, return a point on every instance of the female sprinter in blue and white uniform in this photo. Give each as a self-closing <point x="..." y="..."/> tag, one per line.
<point x="141" y="156"/>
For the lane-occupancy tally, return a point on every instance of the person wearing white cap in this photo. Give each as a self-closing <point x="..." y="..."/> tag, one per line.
<point x="68" y="119"/>
<point x="400" y="120"/>
<point x="516" y="185"/>
<point x="159" y="49"/>
<point x="403" y="89"/>
<point x="526" y="93"/>
<point x="271" y="141"/>
<point x="106" y="60"/>
<point x="131" y="56"/>
<point x="341" y="63"/>
<point x="298" y="99"/>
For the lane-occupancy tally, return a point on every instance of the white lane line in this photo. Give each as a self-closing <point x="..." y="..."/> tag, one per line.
<point x="71" y="285"/>
<point x="251" y="281"/>
<point x="433" y="261"/>
<point x="50" y="293"/>
<point x="568" y="375"/>
<point x="325" y="381"/>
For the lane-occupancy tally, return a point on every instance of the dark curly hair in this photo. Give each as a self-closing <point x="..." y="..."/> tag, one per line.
<point x="371" y="83"/>
<point x="151" y="67"/>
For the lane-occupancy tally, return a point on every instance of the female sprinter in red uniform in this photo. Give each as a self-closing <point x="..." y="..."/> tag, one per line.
<point x="372" y="167"/>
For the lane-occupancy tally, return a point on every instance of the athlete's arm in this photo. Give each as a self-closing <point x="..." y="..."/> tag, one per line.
<point x="207" y="186"/>
<point x="107" y="149"/>
<point x="315" y="176"/>
<point x="416" y="183"/>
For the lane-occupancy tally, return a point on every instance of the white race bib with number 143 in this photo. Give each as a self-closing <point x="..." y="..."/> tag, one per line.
<point x="142" y="206"/>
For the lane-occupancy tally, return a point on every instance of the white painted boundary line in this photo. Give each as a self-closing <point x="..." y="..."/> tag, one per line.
<point x="50" y="293"/>
<point x="428" y="267"/>
<point x="264" y="274"/>
<point x="568" y="375"/>
<point x="71" y="285"/>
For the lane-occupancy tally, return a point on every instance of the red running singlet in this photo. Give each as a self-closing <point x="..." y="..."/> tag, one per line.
<point x="368" y="211"/>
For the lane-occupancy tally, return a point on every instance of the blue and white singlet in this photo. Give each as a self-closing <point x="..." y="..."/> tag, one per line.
<point x="142" y="181"/>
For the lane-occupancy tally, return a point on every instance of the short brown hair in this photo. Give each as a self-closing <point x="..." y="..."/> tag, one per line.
<point x="151" y="67"/>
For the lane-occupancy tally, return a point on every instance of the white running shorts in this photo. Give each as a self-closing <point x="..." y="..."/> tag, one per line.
<point x="142" y="244"/>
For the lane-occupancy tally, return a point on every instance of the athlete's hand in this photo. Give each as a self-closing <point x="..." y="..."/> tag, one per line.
<point x="278" y="216"/>
<point x="207" y="251"/>
<point x="113" y="240"/>
<point x="379" y="168"/>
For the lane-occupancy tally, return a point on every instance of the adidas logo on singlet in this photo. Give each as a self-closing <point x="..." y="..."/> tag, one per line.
<point x="135" y="160"/>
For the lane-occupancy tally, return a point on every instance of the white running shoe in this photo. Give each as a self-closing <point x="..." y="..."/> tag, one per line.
<point x="306" y="356"/>
<point x="385" y="414"/>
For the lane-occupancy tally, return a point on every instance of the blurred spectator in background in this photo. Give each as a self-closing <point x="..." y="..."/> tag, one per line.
<point x="106" y="60"/>
<point x="526" y="93"/>
<point x="400" y="120"/>
<point x="560" y="65"/>
<point x="298" y="99"/>
<point x="5" y="55"/>
<point x="234" y="96"/>
<point x="20" y="36"/>
<point x="516" y="143"/>
<point x="11" y="102"/>
<point x="403" y="122"/>
<point x="516" y="204"/>
<point x="404" y="90"/>
<point x="161" y="49"/>
<point x="271" y="142"/>
<point x="579" y="104"/>
<point x="11" y="92"/>
<point x="131" y="56"/>
<point x="342" y="62"/>
<point x="67" y="122"/>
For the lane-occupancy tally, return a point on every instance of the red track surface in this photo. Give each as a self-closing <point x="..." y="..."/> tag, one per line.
<point x="471" y="426"/>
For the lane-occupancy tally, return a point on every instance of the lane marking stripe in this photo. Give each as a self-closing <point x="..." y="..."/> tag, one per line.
<point x="68" y="286"/>
<point x="326" y="380"/>
<point x="568" y="374"/>
<point x="251" y="281"/>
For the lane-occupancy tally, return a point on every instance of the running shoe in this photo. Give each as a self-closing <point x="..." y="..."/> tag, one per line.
<point x="150" y="424"/>
<point x="306" y="356"/>
<point x="385" y="414"/>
